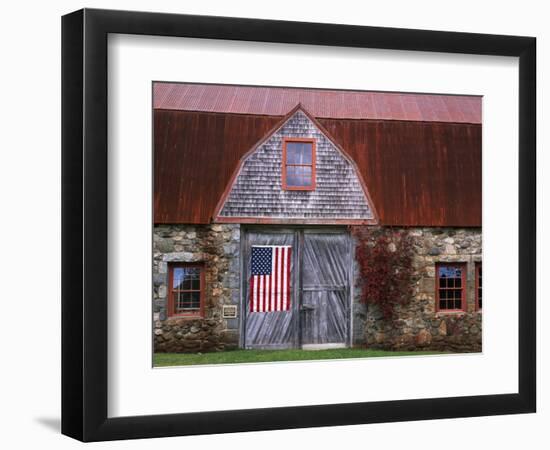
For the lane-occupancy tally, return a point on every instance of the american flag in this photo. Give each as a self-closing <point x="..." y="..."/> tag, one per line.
<point x="270" y="278"/>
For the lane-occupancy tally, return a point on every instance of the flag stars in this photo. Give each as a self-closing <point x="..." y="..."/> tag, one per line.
<point x="262" y="260"/>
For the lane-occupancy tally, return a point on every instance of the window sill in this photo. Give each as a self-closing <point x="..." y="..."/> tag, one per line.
<point x="305" y="189"/>
<point x="185" y="317"/>
<point x="452" y="312"/>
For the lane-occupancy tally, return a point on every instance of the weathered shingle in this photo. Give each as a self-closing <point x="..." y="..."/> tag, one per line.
<point x="257" y="191"/>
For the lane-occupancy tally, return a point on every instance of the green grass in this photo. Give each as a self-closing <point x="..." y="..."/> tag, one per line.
<point x="255" y="356"/>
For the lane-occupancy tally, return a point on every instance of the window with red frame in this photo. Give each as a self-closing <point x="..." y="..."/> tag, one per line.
<point x="478" y="286"/>
<point x="451" y="287"/>
<point x="299" y="164"/>
<point x="186" y="290"/>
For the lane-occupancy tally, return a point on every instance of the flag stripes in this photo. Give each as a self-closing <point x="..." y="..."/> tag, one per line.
<point x="270" y="278"/>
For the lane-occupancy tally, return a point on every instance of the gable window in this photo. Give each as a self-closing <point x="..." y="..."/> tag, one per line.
<point x="299" y="164"/>
<point x="186" y="290"/>
<point x="450" y="287"/>
<point x="478" y="286"/>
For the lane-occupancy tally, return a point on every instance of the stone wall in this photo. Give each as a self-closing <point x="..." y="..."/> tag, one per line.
<point x="218" y="248"/>
<point x="419" y="326"/>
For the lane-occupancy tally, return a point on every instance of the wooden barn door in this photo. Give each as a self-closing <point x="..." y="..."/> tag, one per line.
<point x="325" y="290"/>
<point x="319" y="313"/>
<point x="274" y="329"/>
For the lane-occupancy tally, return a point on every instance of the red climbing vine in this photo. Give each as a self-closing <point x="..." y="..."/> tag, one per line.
<point x="385" y="258"/>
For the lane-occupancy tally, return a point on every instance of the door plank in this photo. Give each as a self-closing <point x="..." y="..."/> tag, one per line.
<point x="325" y="287"/>
<point x="320" y="277"/>
<point x="269" y="329"/>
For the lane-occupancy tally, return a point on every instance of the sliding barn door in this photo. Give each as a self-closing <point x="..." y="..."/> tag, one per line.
<point x="319" y="311"/>
<point x="325" y="289"/>
<point x="272" y="329"/>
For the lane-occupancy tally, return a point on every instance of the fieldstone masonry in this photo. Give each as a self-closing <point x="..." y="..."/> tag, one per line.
<point x="419" y="326"/>
<point x="218" y="247"/>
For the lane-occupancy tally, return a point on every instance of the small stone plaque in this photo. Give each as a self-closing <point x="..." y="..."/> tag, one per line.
<point x="229" y="311"/>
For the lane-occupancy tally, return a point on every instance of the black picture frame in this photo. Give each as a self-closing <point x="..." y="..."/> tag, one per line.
<point x="84" y="224"/>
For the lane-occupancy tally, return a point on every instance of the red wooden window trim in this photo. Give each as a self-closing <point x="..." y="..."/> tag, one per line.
<point x="313" y="184"/>
<point x="463" y="303"/>
<point x="171" y="292"/>
<point x="478" y="286"/>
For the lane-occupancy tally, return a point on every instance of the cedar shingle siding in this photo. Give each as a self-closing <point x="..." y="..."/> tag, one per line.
<point x="257" y="190"/>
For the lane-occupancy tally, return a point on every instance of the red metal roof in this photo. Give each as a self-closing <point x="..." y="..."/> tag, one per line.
<point x="329" y="104"/>
<point x="417" y="173"/>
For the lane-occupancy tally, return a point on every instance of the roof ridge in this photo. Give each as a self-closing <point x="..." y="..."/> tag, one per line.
<point x="321" y="103"/>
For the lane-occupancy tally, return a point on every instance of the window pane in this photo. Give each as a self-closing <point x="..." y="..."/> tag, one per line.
<point x="450" y="286"/>
<point x="178" y="277"/>
<point x="299" y="152"/>
<point x="185" y="301"/>
<point x="186" y="289"/>
<point x="184" y="285"/>
<point x="193" y="272"/>
<point x="450" y="272"/>
<point x="298" y="176"/>
<point x="479" y="286"/>
<point x="182" y="300"/>
<point x="186" y="277"/>
<point x="195" y="300"/>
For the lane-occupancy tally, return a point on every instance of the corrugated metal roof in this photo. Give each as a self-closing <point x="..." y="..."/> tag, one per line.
<point x="329" y="104"/>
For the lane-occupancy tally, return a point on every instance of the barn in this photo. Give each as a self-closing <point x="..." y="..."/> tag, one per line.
<point x="260" y="194"/>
